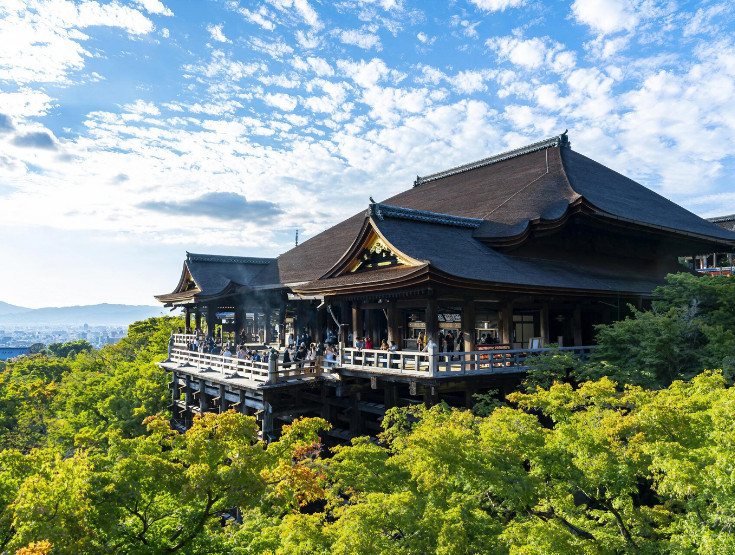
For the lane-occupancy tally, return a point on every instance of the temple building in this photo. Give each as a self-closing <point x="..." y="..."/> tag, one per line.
<point x="540" y="241"/>
<point x="526" y="248"/>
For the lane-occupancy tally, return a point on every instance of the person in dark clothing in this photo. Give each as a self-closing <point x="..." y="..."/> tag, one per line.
<point x="460" y="342"/>
<point x="286" y="358"/>
<point x="449" y="342"/>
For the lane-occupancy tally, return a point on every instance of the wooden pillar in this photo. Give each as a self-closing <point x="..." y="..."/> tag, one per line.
<point x="506" y="323"/>
<point x="431" y="396"/>
<point x="187" y="392"/>
<point x="544" y="316"/>
<point x="222" y="399"/>
<point x="577" y="325"/>
<point x="187" y="319"/>
<point x="202" y="398"/>
<point x="267" y="325"/>
<point x="355" y="416"/>
<point x="322" y="322"/>
<point x="357" y="322"/>
<point x="241" y="400"/>
<point x="390" y="396"/>
<point x="468" y="325"/>
<point x="300" y="323"/>
<point x="198" y="319"/>
<point x="282" y="321"/>
<point x="432" y="319"/>
<point x="393" y="314"/>
<point x="211" y="319"/>
<point x="345" y="319"/>
<point x="267" y="425"/>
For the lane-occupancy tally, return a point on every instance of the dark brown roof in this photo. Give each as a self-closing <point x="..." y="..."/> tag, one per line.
<point x="509" y="193"/>
<point x="213" y="274"/>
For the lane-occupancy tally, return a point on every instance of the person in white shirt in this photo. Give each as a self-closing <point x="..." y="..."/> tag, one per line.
<point x="226" y="351"/>
<point x="430" y="345"/>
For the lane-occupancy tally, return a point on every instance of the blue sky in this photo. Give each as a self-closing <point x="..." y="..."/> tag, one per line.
<point x="133" y="131"/>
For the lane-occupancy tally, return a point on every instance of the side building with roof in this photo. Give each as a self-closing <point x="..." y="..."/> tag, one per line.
<point x="533" y="246"/>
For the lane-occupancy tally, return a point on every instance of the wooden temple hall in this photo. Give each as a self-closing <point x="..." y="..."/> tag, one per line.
<point x="507" y="254"/>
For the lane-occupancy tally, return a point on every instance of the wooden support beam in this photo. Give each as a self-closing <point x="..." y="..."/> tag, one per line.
<point x="222" y="399"/>
<point x="506" y="323"/>
<point x="357" y="322"/>
<point x="432" y="318"/>
<point x="577" y="325"/>
<point x="544" y="321"/>
<point x="202" y="397"/>
<point x="468" y="325"/>
<point x="394" y="318"/>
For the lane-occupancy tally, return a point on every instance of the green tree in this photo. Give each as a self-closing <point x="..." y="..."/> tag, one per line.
<point x="70" y="348"/>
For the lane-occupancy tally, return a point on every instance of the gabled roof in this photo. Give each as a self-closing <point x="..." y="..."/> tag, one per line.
<point x="214" y="275"/>
<point x="454" y="257"/>
<point x="453" y="225"/>
<point x="509" y="194"/>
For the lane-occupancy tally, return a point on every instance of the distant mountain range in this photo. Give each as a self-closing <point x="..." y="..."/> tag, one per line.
<point x="6" y="308"/>
<point x="96" y="314"/>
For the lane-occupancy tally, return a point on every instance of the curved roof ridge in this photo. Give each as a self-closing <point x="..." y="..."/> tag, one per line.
<point x="227" y="259"/>
<point x="556" y="141"/>
<point x="381" y="211"/>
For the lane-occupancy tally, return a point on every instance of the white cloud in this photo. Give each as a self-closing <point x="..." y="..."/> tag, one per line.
<point x="141" y="107"/>
<point x="224" y="67"/>
<point x="40" y="41"/>
<point x="532" y="53"/>
<point x="362" y="39"/>
<point x="497" y="5"/>
<point x="276" y="49"/>
<point x="259" y="17"/>
<point x="468" y="82"/>
<point x="215" y="31"/>
<point x="468" y="29"/>
<point x="707" y="20"/>
<point x="285" y="102"/>
<point x="426" y="39"/>
<point x="302" y="8"/>
<point x="164" y="33"/>
<point x="612" y="16"/>
<point x="154" y="7"/>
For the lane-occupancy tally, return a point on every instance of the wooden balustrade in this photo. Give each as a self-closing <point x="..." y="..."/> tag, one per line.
<point x="412" y="363"/>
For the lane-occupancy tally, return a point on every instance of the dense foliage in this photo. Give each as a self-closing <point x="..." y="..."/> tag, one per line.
<point x="690" y="328"/>
<point x="631" y="453"/>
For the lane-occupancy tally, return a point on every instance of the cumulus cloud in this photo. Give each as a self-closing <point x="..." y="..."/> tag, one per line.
<point x="215" y="31"/>
<point x="497" y="5"/>
<point x="154" y="7"/>
<point x="276" y="49"/>
<point x="259" y="17"/>
<point x="301" y="8"/>
<point x="282" y="101"/>
<point x="612" y="16"/>
<point x="218" y="206"/>
<point x="41" y="41"/>
<point x="142" y="108"/>
<point x="363" y="39"/>
<point x="35" y="139"/>
<point x="532" y="53"/>
<point x="6" y="124"/>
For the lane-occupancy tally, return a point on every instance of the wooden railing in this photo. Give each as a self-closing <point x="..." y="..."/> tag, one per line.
<point x="271" y="372"/>
<point x="447" y="364"/>
<point x="411" y="363"/>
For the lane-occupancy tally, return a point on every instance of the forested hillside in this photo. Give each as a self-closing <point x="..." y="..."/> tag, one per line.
<point x="633" y="452"/>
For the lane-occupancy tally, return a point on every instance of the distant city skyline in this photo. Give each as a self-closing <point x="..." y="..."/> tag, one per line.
<point x="133" y="131"/>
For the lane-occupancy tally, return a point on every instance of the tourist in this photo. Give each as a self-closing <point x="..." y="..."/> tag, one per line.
<point x="286" y="359"/>
<point x="330" y="353"/>
<point x="440" y="341"/>
<point x="320" y="349"/>
<point x="368" y="343"/>
<point x="460" y="341"/>
<point x="240" y="353"/>
<point x="421" y="341"/>
<point x="360" y="344"/>
<point x="290" y="340"/>
<point x="226" y="351"/>
<point x="312" y="354"/>
<point x="430" y="344"/>
<point x="449" y="339"/>
<point x="256" y="356"/>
